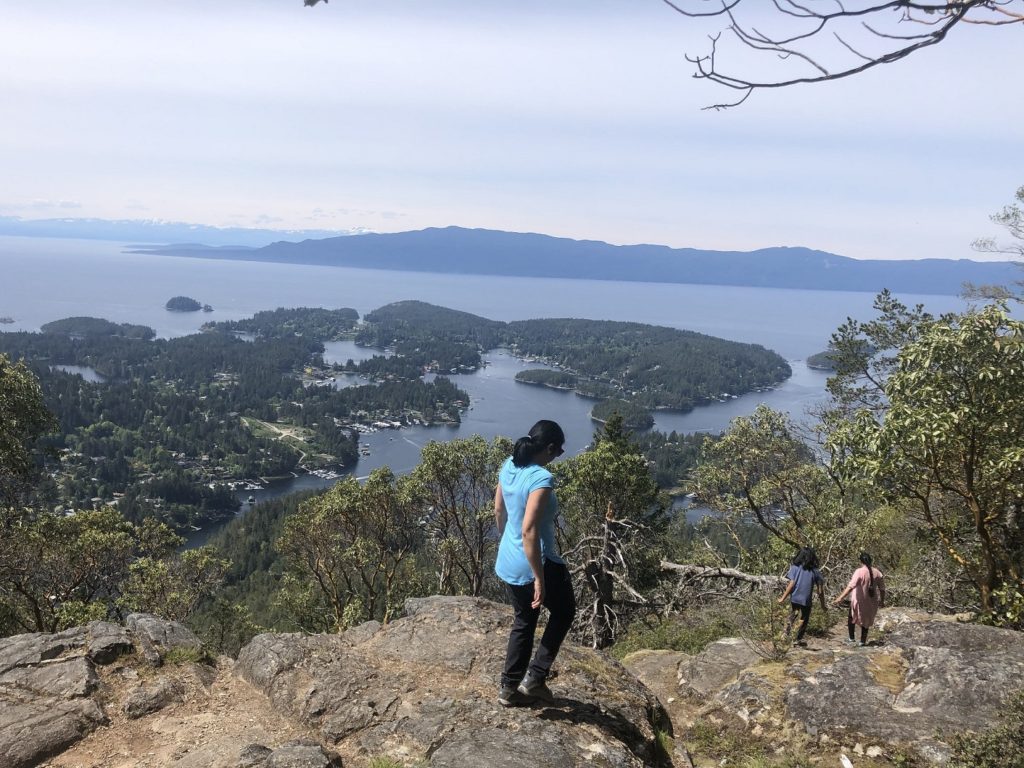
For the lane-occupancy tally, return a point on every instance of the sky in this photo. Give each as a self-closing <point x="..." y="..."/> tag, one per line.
<point x="577" y="118"/>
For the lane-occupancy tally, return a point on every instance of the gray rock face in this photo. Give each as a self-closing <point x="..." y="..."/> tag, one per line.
<point x="296" y="754"/>
<point x="107" y="641"/>
<point x="659" y="670"/>
<point x="942" y="678"/>
<point x="147" y="699"/>
<point x="49" y="684"/>
<point x="156" y="637"/>
<point x="957" y="674"/>
<point x="426" y="685"/>
<point x="45" y="682"/>
<point x="300" y="755"/>
<point x="716" y="665"/>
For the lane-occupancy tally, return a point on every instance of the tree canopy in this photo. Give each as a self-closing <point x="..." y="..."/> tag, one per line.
<point x="946" y="438"/>
<point x="23" y="418"/>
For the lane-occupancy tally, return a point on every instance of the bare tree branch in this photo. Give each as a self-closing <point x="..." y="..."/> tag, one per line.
<point x="802" y="25"/>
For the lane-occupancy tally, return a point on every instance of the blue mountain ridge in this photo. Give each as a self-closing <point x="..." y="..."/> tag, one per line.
<point x="457" y="250"/>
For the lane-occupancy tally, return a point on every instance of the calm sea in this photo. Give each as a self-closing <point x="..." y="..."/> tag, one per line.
<point x="44" y="279"/>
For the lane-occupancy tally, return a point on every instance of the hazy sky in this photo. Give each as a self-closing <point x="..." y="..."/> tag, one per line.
<point x="576" y="118"/>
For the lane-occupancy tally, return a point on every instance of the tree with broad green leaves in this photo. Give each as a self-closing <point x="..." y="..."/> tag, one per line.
<point x="23" y="418"/>
<point x="349" y="552"/>
<point x="761" y="469"/>
<point x="57" y="571"/>
<point x="946" y="435"/>
<point x="454" y="485"/>
<point x="612" y="511"/>
<point x="173" y="587"/>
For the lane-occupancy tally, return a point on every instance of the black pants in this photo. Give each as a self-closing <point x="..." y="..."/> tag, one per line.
<point x="850" y="626"/>
<point x="560" y="602"/>
<point x="805" y="617"/>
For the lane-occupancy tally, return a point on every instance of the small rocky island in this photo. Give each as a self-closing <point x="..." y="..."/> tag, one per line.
<point x="6" y="320"/>
<point x="186" y="304"/>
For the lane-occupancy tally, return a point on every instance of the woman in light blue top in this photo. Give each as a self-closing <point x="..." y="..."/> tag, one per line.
<point x="528" y="563"/>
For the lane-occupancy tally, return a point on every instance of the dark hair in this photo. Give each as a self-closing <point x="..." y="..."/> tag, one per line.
<point x="865" y="558"/>
<point x="542" y="434"/>
<point x="806" y="558"/>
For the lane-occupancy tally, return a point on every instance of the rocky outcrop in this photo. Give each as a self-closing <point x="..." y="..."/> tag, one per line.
<point x="425" y="687"/>
<point x="922" y="679"/>
<point x="719" y="664"/>
<point x="421" y="690"/>
<point x="295" y="754"/>
<point x="929" y="679"/>
<point x="47" y="687"/>
<point x="157" y="637"/>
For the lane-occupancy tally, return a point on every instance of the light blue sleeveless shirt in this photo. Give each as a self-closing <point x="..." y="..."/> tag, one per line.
<point x="517" y="484"/>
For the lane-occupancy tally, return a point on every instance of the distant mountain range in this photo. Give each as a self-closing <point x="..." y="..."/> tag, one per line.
<point x="486" y="252"/>
<point x="155" y="231"/>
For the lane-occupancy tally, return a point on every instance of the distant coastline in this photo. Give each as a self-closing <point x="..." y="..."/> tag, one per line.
<point x="455" y="250"/>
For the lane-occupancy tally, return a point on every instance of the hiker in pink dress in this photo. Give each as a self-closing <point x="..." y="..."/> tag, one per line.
<point x="867" y="594"/>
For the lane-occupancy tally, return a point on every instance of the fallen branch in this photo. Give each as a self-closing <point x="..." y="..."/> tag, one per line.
<point x="685" y="571"/>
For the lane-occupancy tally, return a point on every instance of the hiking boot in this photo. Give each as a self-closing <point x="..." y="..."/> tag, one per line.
<point x="535" y="688"/>
<point x="510" y="696"/>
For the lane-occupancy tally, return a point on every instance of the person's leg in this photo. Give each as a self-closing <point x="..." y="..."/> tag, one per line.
<point x="560" y="600"/>
<point x="520" y="638"/>
<point x="849" y="623"/>
<point x="805" y="617"/>
<point x="863" y="635"/>
<point x="794" y="611"/>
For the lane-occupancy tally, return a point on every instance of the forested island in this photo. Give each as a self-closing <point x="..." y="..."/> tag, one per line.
<point x="646" y="366"/>
<point x="545" y="377"/>
<point x="183" y="304"/>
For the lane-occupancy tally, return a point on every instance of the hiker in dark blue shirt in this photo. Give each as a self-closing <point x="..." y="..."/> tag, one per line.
<point x="803" y="577"/>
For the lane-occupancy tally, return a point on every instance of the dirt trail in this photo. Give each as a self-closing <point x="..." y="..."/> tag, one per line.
<point x="206" y="730"/>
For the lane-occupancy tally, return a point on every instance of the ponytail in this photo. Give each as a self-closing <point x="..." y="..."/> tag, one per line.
<point x="524" y="451"/>
<point x="542" y="434"/>
<point x="865" y="558"/>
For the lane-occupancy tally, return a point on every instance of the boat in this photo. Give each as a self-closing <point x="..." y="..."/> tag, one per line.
<point x="252" y="499"/>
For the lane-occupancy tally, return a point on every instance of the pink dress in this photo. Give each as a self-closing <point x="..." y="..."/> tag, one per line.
<point x="863" y="607"/>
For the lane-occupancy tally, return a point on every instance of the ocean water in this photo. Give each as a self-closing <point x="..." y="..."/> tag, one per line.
<point x="43" y="279"/>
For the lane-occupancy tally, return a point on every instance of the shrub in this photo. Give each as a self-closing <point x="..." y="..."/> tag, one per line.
<point x="1001" y="746"/>
<point x="689" y="634"/>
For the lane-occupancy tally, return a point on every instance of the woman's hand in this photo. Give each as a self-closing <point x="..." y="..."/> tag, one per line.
<point x="538" y="593"/>
<point x="782" y="600"/>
